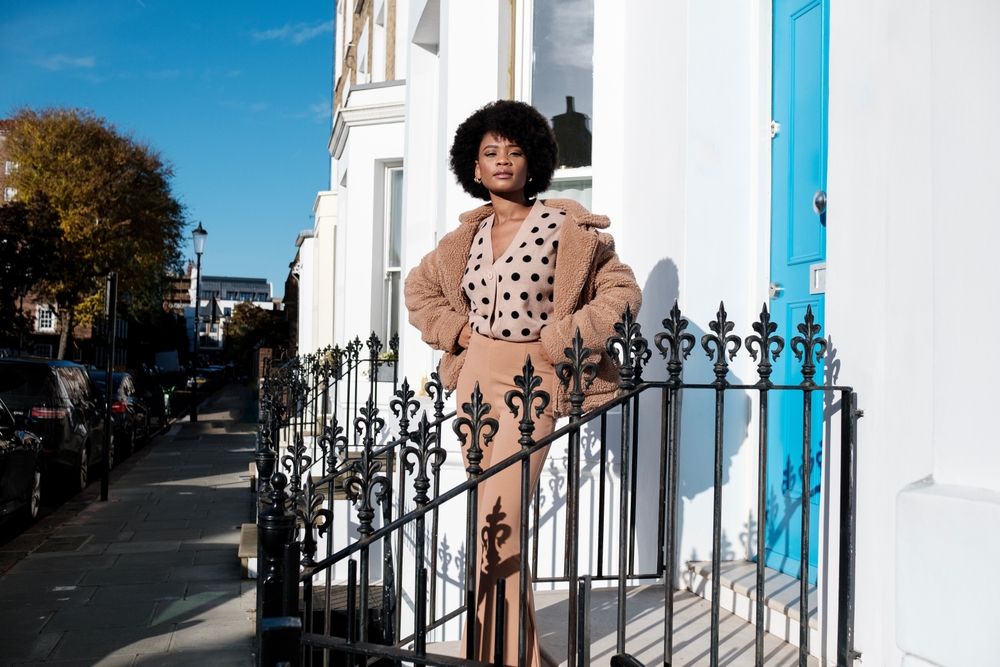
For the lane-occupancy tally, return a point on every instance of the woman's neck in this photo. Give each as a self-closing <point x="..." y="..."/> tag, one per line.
<point x="509" y="209"/>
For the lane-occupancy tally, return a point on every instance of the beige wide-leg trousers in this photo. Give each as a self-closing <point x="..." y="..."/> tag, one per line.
<point x="494" y="364"/>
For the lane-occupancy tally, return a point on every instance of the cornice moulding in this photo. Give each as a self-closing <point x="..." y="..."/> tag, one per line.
<point x="376" y="114"/>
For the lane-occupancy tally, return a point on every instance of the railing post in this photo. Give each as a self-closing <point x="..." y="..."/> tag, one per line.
<point x="480" y="431"/>
<point x="769" y="347"/>
<point x="717" y="346"/>
<point x="423" y="455"/>
<point x="275" y="528"/>
<point x="629" y="349"/>
<point x="280" y="641"/>
<point x="805" y="348"/>
<point x="574" y="374"/>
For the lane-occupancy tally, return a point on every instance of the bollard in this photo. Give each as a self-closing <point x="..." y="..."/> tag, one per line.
<point x="275" y="529"/>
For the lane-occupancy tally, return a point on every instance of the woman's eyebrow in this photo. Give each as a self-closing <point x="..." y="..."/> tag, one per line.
<point x="509" y="146"/>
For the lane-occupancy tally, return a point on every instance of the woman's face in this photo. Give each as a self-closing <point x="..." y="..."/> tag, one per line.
<point x="501" y="165"/>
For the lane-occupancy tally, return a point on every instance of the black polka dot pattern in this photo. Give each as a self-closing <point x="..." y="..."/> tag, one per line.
<point x="534" y="249"/>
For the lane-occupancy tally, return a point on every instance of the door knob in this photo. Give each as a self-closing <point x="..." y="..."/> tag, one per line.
<point x="819" y="202"/>
<point x="774" y="290"/>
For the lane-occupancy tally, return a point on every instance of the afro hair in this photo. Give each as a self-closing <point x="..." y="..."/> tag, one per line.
<point x="514" y="121"/>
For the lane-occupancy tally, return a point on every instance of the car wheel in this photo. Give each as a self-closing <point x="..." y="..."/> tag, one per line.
<point x="36" y="495"/>
<point x="83" y="467"/>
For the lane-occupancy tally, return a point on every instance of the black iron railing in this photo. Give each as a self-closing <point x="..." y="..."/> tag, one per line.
<point x="306" y="402"/>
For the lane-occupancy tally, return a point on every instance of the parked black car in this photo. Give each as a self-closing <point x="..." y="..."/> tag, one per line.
<point x="128" y="410"/>
<point x="67" y="412"/>
<point x="20" y="467"/>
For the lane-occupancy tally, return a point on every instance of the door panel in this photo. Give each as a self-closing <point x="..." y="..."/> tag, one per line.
<point x="798" y="240"/>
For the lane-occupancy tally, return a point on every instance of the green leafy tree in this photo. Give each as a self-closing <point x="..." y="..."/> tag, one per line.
<point x="250" y="326"/>
<point x="115" y="210"/>
<point x="29" y="239"/>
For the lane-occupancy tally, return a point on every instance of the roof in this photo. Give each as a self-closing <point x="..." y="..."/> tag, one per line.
<point x="230" y="279"/>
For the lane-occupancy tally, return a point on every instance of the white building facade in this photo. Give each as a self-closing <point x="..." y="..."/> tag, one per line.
<point x="699" y="117"/>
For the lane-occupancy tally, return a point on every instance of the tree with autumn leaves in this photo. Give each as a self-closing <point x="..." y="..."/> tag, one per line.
<point x="250" y="326"/>
<point x="97" y="200"/>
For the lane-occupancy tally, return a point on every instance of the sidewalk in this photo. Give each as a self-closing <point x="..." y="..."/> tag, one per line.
<point x="151" y="577"/>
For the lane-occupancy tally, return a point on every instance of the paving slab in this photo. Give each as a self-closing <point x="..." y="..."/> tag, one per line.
<point x="151" y="577"/>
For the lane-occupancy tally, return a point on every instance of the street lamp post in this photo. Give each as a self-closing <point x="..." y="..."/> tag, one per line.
<point x="198" y="236"/>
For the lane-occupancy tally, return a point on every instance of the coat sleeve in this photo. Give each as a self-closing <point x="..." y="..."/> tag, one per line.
<point x="612" y="286"/>
<point x="428" y="307"/>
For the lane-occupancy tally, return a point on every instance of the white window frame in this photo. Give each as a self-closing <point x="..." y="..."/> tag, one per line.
<point x="524" y="60"/>
<point x="390" y="272"/>
<point x="45" y="319"/>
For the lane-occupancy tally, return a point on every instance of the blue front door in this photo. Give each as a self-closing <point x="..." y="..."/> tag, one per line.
<point x="798" y="261"/>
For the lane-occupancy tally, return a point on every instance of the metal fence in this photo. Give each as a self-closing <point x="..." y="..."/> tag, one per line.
<point x="307" y="616"/>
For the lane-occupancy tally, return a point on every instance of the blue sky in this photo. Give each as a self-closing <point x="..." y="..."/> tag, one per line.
<point x="236" y="95"/>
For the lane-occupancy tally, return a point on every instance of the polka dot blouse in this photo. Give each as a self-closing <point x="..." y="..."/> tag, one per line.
<point x="511" y="295"/>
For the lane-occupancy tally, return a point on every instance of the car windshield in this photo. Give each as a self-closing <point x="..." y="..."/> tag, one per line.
<point x="23" y="380"/>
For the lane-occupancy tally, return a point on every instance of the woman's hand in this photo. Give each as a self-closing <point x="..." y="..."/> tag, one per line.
<point x="464" y="337"/>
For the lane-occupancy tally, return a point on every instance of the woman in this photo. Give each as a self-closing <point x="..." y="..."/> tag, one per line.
<point x="516" y="280"/>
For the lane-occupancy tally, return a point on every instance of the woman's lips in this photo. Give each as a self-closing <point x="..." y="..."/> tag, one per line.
<point x="502" y="174"/>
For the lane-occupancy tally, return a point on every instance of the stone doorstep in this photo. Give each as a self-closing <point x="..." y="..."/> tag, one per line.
<point x="248" y="551"/>
<point x="739" y="595"/>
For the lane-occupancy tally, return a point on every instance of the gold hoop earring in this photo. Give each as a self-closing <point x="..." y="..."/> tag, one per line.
<point x="476" y="179"/>
<point x="529" y="178"/>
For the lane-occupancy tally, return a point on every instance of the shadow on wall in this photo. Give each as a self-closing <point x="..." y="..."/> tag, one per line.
<point x="697" y="434"/>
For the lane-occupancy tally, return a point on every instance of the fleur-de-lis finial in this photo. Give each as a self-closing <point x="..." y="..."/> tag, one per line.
<point x="528" y="393"/>
<point x="723" y="341"/>
<point x="435" y="390"/>
<point x="360" y="486"/>
<point x="809" y="345"/>
<point x="404" y="406"/>
<point x="578" y="371"/>
<point x="309" y="509"/>
<point x="628" y="349"/>
<point x="374" y="346"/>
<point x="674" y="342"/>
<point x="764" y="341"/>
<point x="369" y="424"/>
<point x="354" y="349"/>
<point x="425" y="451"/>
<point x="333" y="442"/>
<point x="295" y="462"/>
<point x="479" y="427"/>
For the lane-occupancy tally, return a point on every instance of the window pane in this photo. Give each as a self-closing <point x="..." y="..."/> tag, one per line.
<point x="562" y="80"/>
<point x="395" y="218"/>
<point x="580" y="190"/>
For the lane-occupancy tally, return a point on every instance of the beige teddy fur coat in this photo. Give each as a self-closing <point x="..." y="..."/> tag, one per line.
<point x="592" y="287"/>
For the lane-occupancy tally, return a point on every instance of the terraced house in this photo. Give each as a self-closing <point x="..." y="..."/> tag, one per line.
<point x="831" y="155"/>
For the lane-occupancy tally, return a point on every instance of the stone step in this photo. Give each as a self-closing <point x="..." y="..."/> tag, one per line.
<point x="692" y="624"/>
<point x="738" y="580"/>
<point x="248" y="550"/>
